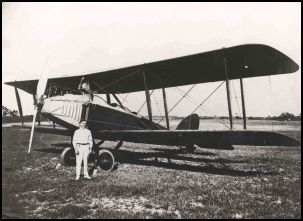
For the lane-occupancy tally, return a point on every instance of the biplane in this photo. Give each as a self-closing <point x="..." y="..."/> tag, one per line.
<point x="67" y="100"/>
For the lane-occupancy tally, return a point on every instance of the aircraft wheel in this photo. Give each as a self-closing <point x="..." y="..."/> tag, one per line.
<point x="68" y="157"/>
<point x="106" y="160"/>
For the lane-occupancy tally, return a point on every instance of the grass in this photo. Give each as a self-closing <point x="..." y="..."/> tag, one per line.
<point x="249" y="182"/>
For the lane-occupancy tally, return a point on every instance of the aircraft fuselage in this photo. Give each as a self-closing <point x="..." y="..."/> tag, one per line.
<point x="67" y="110"/>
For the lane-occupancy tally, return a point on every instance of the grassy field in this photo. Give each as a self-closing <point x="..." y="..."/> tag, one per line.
<point x="248" y="182"/>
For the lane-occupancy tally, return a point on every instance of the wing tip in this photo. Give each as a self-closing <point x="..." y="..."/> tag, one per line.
<point x="11" y="83"/>
<point x="290" y="64"/>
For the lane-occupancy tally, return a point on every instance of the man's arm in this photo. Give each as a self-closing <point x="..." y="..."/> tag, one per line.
<point x="75" y="142"/>
<point x="90" y="140"/>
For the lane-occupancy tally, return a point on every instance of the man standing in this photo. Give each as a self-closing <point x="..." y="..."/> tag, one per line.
<point x="83" y="143"/>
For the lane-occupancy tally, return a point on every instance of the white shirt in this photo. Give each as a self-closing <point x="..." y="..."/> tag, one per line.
<point x="82" y="135"/>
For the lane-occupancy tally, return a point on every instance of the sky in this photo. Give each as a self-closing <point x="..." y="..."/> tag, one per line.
<point x="65" y="39"/>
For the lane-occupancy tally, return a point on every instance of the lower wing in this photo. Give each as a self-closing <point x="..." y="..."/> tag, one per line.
<point x="200" y="138"/>
<point x="214" y="139"/>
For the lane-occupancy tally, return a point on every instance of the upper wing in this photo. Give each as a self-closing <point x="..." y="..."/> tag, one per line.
<point x="242" y="61"/>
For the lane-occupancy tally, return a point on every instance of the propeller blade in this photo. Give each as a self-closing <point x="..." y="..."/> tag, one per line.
<point x="42" y="83"/>
<point x="19" y="105"/>
<point x="32" y="131"/>
<point x="41" y="88"/>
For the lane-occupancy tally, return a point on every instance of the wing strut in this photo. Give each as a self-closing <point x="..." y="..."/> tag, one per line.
<point x="150" y="116"/>
<point x="243" y="104"/>
<point x="165" y="108"/>
<point x="19" y="105"/>
<point x="108" y="98"/>
<point x="228" y="94"/>
<point x="117" y="99"/>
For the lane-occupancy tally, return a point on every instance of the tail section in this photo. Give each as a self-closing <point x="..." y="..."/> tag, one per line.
<point x="190" y="122"/>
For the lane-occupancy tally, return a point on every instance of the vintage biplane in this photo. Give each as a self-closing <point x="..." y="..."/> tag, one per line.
<point x="67" y="100"/>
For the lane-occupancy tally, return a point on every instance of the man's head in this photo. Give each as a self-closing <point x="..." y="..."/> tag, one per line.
<point x="82" y="124"/>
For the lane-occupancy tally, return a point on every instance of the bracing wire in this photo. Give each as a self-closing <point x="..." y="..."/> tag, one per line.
<point x="126" y="109"/>
<point x="270" y="98"/>
<point x="178" y="101"/>
<point x="199" y="106"/>
<point x="239" y="110"/>
<point x="208" y="97"/>
<point x="185" y="95"/>
<point x="111" y="83"/>
<point x="124" y="99"/>
<point x="102" y="88"/>
<point x="190" y="99"/>
<point x="144" y="102"/>
<point x="157" y="105"/>
<point x="203" y="109"/>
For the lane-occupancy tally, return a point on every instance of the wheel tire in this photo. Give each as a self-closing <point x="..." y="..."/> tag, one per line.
<point x="106" y="160"/>
<point x="68" y="157"/>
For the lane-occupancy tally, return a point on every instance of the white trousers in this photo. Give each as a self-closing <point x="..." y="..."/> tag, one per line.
<point x="83" y="155"/>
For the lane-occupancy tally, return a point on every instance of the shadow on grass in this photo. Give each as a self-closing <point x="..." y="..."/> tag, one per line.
<point x="139" y="158"/>
<point x="170" y="151"/>
<point x="49" y="150"/>
<point x="151" y="159"/>
<point x="61" y="144"/>
<point x="57" y="148"/>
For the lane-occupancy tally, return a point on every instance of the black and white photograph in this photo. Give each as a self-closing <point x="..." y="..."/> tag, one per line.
<point x="151" y="110"/>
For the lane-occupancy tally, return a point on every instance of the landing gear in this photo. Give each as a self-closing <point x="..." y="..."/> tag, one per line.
<point x="68" y="157"/>
<point x="102" y="158"/>
<point x="106" y="160"/>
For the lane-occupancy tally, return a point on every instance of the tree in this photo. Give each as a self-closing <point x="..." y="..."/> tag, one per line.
<point x="286" y="116"/>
